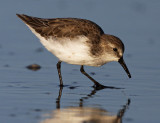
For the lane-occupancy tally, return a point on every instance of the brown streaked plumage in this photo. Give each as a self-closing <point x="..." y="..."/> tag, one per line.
<point x="63" y="27"/>
<point x="77" y="41"/>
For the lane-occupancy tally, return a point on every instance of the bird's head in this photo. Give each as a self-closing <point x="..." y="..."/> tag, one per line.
<point x="114" y="49"/>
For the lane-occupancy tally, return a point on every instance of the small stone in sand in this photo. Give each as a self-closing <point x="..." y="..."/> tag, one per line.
<point x="34" y="67"/>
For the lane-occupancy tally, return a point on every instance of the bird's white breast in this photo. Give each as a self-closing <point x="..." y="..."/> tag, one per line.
<point x="73" y="51"/>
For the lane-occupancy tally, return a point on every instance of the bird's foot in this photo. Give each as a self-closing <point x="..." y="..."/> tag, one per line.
<point x="99" y="86"/>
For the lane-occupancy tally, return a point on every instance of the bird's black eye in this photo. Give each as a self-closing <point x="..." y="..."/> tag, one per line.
<point x="115" y="49"/>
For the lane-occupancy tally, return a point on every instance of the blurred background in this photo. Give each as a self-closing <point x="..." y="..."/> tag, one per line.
<point x="27" y="96"/>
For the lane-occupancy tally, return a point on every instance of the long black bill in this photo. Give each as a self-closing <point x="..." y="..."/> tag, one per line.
<point x="123" y="64"/>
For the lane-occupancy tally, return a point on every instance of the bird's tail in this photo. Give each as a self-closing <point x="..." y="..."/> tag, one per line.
<point x="32" y="21"/>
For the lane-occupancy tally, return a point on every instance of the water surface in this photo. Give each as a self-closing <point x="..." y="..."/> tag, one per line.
<point x="31" y="96"/>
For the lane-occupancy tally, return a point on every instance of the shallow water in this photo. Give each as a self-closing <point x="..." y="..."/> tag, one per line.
<point x="32" y="96"/>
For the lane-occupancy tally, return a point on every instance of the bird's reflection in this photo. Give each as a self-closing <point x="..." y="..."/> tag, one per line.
<point x="83" y="114"/>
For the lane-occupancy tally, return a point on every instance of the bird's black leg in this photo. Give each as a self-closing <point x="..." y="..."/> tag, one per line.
<point x="59" y="97"/>
<point x="59" y="73"/>
<point x="97" y="85"/>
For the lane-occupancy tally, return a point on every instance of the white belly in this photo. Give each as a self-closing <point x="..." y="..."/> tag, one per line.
<point x="72" y="52"/>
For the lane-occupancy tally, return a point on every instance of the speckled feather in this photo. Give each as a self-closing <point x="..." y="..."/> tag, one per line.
<point x="63" y="27"/>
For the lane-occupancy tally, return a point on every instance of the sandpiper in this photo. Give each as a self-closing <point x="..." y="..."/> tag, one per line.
<point x="77" y="41"/>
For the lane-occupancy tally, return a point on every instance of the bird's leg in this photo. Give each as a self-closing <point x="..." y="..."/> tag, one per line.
<point x="59" y="73"/>
<point x="98" y="85"/>
<point x="59" y="97"/>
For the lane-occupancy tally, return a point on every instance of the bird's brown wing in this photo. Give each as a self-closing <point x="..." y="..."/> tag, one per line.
<point x="63" y="27"/>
